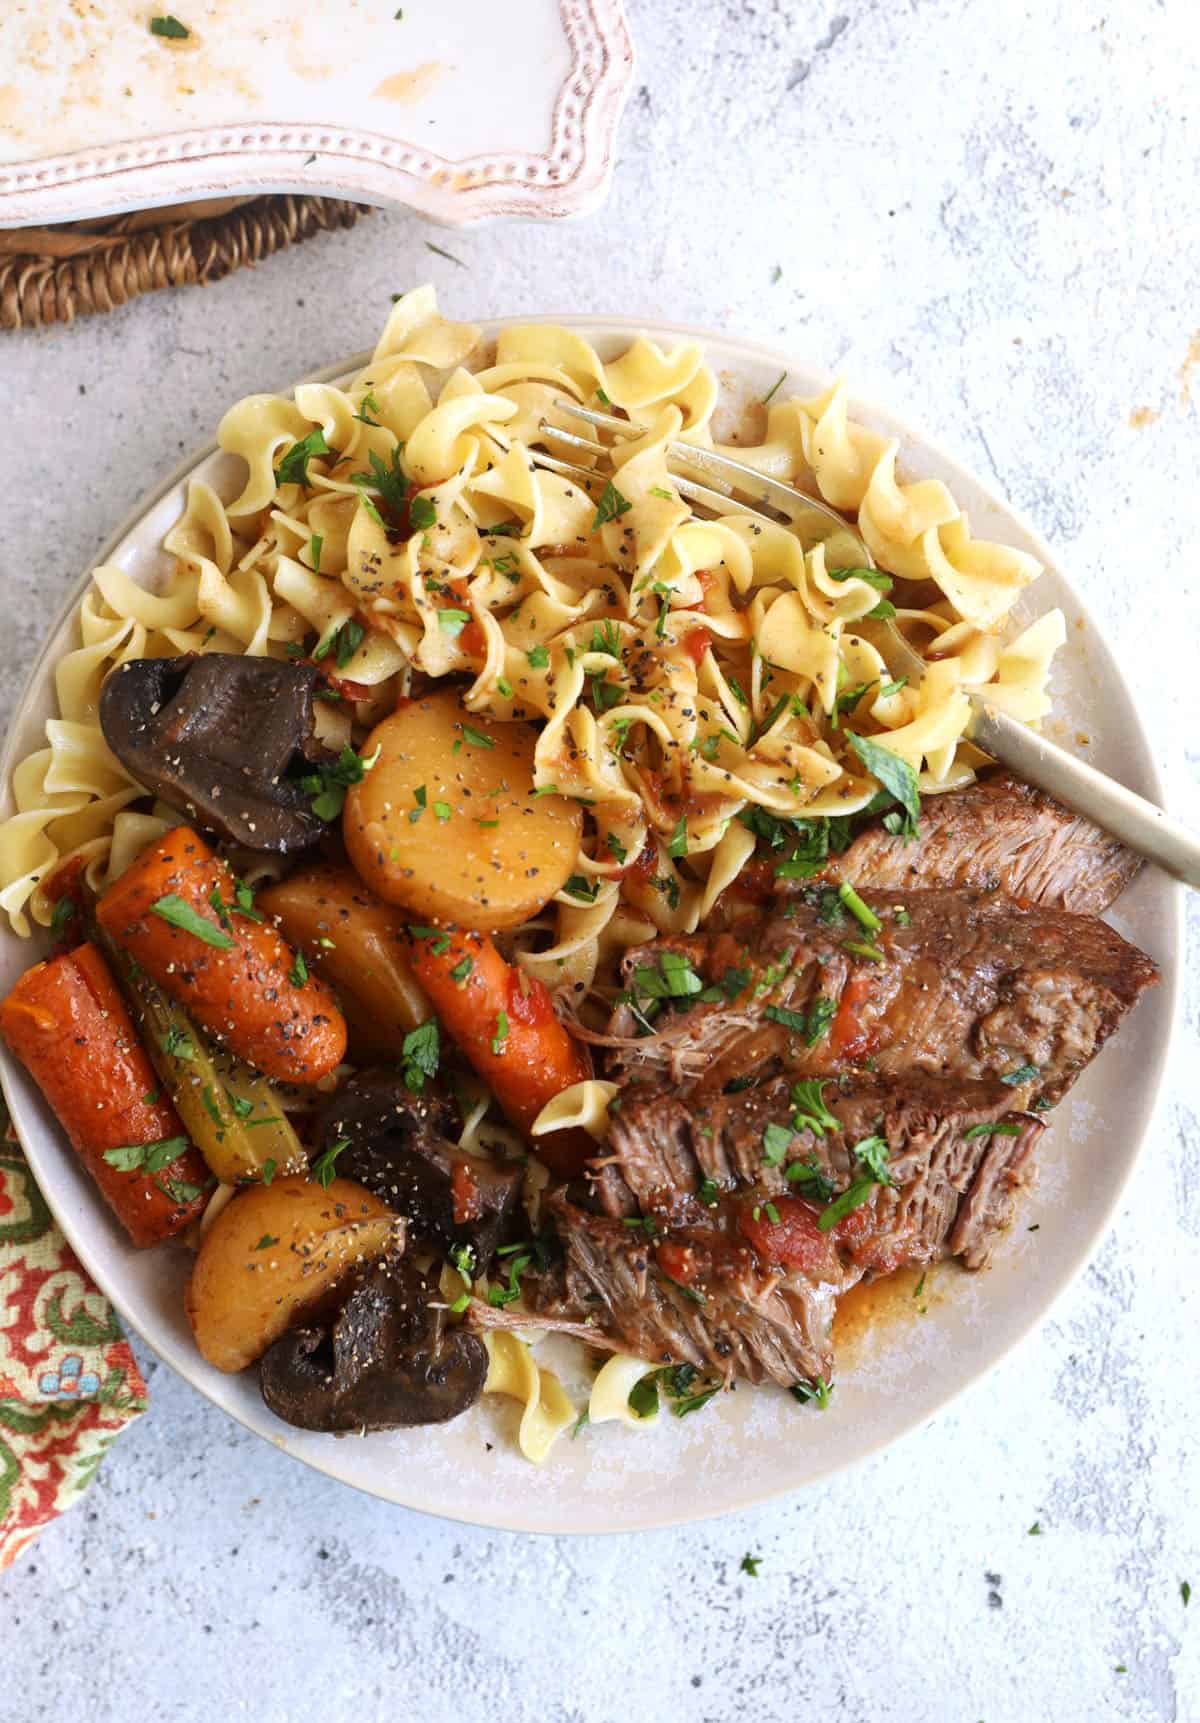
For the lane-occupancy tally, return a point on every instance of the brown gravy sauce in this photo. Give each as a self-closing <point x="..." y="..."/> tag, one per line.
<point x="891" y="1298"/>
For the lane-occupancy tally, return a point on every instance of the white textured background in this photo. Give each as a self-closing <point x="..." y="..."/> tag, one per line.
<point x="986" y="213"/>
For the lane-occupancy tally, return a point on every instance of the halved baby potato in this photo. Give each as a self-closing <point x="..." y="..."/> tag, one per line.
<point x="271" y="1252"/>
<point x="446" y="821"/>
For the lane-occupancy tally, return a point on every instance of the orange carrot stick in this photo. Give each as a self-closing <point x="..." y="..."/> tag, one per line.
<point x="67" y="1023"/>
<point x="505" y="1024"/>
<point x="175" y="912"/>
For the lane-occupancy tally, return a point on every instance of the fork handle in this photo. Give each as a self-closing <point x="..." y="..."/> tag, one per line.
<point x="1130" y="817"/>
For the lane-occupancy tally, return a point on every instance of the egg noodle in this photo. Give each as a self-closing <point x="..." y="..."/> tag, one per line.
<point x="682" y="669"/>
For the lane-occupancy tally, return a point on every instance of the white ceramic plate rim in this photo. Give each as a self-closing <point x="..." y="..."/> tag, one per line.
<point x="494" y="1514"/>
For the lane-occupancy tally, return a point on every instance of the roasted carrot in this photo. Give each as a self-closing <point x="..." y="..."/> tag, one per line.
<point x="67" y="1023"/>
<point x="176" y="912"/>
<point x="505" y="1024"/>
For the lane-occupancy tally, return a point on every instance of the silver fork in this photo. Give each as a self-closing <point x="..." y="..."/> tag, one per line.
<point x="733" y="485"/>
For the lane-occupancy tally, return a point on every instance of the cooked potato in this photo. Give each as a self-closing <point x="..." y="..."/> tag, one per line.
<point x="458" y="836"/>
<point x="357" y="943"/>
<point x="273" y="1250"/>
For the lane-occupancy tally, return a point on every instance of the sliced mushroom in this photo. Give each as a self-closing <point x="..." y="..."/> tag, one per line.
<point x="388" y="1360"/>
<point x="223" y="739"/>
<point x="398" y="1146"/>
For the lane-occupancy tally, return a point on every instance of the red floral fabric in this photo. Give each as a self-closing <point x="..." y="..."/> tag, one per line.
<point x="68" y="1380"/>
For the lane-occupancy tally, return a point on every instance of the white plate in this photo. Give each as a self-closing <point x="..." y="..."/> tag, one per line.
<point x="460" y="110"/>
<point x="759" y="1442"/>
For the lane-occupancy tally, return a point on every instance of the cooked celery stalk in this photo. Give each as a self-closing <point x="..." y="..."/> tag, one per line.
<point x="234" y="1116"/>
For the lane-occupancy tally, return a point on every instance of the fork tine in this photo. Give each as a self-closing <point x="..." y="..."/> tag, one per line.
<point x="724" y="473"/>
<point x="574" y="442"/>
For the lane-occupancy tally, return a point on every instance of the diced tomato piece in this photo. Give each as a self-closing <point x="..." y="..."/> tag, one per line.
<point x="792" y="1241"/>
<point x="848" y="1037"/>
<point x="472" y="640"/>
<point x="678" y="1261"/>
<point x="465" y="1192"/>
<point x="696" y="643"/>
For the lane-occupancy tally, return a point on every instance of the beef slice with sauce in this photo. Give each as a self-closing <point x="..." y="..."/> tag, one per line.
<point x="740" y="1319"/>
<point x="953" y="1185"/>
<point x="998" y="834"/>
<point x="968" y="986"/>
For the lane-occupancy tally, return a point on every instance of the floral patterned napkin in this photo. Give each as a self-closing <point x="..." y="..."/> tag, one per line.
<point x="68" y="1380"/>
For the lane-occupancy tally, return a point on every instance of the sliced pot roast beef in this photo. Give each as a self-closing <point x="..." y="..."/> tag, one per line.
<point x="997" y="835"/>
<point x="964" y="985"/>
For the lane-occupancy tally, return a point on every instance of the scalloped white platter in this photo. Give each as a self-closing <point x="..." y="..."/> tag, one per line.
<point x="896" y="1366"/>
<point x="350" y="98"/>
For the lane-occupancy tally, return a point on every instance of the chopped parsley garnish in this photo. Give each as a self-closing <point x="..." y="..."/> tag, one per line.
<point x="64" y="909"/>
<point x="462" y="1257"/>
<point x="179" y="1190"/>
<point x="389" y="482"/>
<point x="615" y="847"/>
<point x="268" y="1170"/>
<point x="896" y="776"/>
<point x="344" y="642"/>
<point x="367" y="406"/>
<point x="516" y="1267"/>
<point x="538" y="657"/>
<point x="673" y="978"/>
<point x="643" y="1396"/>
<point x="266" y="1241"/>
<point x="854" y="1196"/>
<point x="865" y="916"/>
<point x="477" y="738"/>
<point x="443" y="811"/>
<point x="709" y="1193"/>
<point x="819" y="1018"/>
<point x="872" y="576"/>
<point x="606" y="637"/>
<point x="298" y="973"/>
<point x="146" y="1157"/>
<point x="501" y="1034"/>
<point x="777" y="384"/>
<point x="429" y="245"/>
<point x="586" y="890"/>
<point x="658" y="491"/>
<point x="861" y="948"/>
<point x="327" y="786"/>
<point x="439" y="940"/>
<point x="988" y="1129"/>
<point x="169" y="26"/>
<point x="795" y="1020"/>
<point x="422" y="513"/>
<point x="890" y="688"/>
<point x="811" y="1179"/>
<point x="293" y="468"/>
<point x="669" y="887"/>
<point x="776" y="1140"/>
<point x="462" y="969"/>
<point x="420" y="1052"/>
<point x="208" y="1097"/>
<point x="178" y="1044"/>
<point x="602" y="397"/>
<point x="873" y="1153"/>
<point x="323" y="1168"/>
<point x="812" y="1391"/>
<point x="1035" y="1530"/>
<point x="733" y="982"/>
<point x="452" y="622"/>
<point x="611" y="505"/>
<point x="677" y="843"/>
<point x="175" y="910"/>
<point x="808" y="1098"/>
<point x="1021" y="1074"/>
<point x="750" y="1564"/>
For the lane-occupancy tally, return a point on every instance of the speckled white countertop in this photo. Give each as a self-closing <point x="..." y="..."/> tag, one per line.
<point x="985" y="213"/>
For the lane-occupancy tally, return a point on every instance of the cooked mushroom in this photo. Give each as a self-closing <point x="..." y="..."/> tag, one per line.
<point x="398" y="1146"/>
<point x="387" y="1361"/>
<point x="223" y="739"/>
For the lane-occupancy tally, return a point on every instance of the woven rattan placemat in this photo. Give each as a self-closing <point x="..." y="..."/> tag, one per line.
<point x="54" y="274"/>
